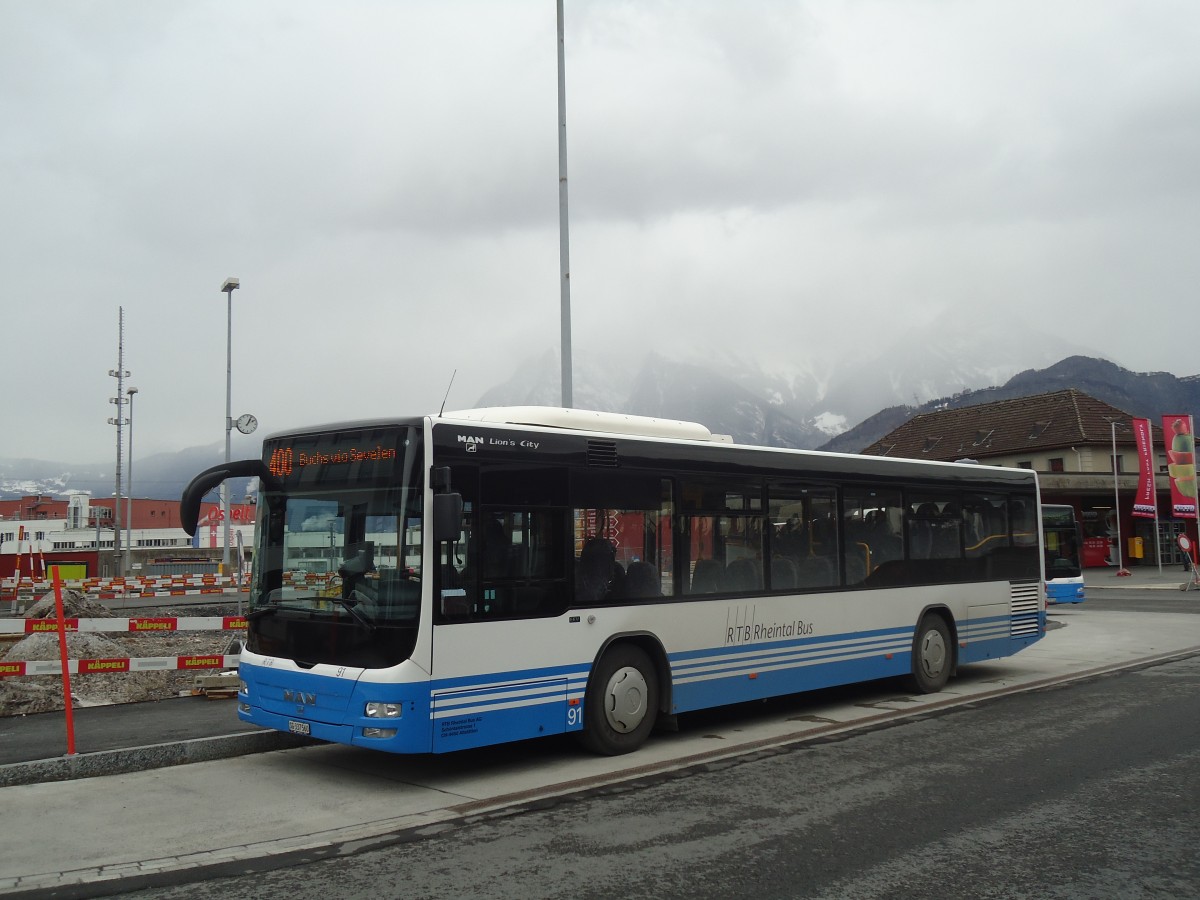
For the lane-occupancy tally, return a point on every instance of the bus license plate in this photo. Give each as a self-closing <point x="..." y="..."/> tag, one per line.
<point x="299" y="727"/>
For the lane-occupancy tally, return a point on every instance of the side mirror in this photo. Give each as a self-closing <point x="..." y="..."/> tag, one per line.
<point x="447" y="517"/>
<point x="439" y="479"/>
<point x="193" y="494"/>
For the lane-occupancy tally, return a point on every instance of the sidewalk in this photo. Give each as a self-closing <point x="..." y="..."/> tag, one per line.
<point x="1144" y="577"/>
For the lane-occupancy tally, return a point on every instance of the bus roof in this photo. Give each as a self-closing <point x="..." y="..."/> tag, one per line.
<point x="589" y="420"/>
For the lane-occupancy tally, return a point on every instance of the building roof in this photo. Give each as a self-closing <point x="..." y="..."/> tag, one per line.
<point x="1059" y="419"/>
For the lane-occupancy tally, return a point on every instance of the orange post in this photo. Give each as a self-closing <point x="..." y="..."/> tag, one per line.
<point x="62" y="649"/>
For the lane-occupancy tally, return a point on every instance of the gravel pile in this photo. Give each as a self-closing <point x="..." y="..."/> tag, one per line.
<point x="27" y="694"/>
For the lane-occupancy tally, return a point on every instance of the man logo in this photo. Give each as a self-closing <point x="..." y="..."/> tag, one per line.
<point x="471" y="441"/>
<point x="300" y="697"/>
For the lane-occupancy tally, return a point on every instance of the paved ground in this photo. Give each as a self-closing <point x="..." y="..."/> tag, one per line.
<point x="27" y="738"/>
<point x="125" y="828"/>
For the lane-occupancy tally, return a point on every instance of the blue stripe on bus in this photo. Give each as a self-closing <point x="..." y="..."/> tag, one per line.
<point x="795" y="642"/>
<point x="774" y="660"/>
<point x="491" y="700"/>
<point x="516" y="676"/>
<point x="1064" y="592"/>
<point x="475" y="710"/>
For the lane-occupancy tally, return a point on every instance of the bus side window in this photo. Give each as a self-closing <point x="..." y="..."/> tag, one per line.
<point x="723" y="525"/>
<point x="519" y="563"/>
<point x="985" y="520"/>
<point x="873" y="522"/>
<point x="803" y="535"/>
<point x="623" y="537"/>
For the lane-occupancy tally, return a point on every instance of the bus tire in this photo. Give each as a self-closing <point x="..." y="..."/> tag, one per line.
<point x="932" y="655"/>
<point x="621" y="702"/>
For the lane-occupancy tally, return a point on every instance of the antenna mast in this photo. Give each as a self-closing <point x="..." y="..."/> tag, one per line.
<point x="120" y="374"/>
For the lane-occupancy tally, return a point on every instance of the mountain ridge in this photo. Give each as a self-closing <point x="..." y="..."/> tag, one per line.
<point x="1142" y="394"/>
<point x="754" y="405"/>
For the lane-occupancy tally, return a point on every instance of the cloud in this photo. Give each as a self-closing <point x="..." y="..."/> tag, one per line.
<point x="790" y="181"/>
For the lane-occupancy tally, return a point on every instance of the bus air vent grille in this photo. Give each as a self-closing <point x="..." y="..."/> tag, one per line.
<point x="1024" y="603"/>
<point x="602" y="453"/>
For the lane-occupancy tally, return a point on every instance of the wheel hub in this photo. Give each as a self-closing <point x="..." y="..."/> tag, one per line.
<point x="933" y="653"/>
<point x="625" y="705"/>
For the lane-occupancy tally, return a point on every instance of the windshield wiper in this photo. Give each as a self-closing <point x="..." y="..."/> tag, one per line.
<point x="273" y="608"/>
<point x="349" y="604"/>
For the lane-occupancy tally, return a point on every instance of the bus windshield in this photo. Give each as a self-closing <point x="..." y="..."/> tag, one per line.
<point x="338" y="559"/>
<point x="1062" y="542"/>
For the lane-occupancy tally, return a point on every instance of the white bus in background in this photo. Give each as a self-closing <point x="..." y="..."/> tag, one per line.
<point x="500" y="574"/>
<point x="1062" y="543"/>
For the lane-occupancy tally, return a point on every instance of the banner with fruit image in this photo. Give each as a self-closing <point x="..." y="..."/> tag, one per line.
<point x="1181" y="464"/>
<point x="1145" y="504"/>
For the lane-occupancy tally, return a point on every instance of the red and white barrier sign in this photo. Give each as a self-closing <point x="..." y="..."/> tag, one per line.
<point x="135" y="625"/>
<point x="197" y="663"/>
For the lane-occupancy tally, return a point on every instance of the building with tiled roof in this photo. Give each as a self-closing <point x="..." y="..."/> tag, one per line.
<point x="1069" y="438"/>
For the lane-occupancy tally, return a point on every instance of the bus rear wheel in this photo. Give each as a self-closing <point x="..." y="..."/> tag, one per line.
<point x="932" y="655"/>
<point x="621" y="703"/>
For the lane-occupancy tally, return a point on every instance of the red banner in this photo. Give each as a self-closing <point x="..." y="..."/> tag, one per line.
<point x="37" y="626"/>
<point x="1181" y="464"/>
<point x="200" y="662"/>
<point x="97" y="666"/>
<point x="1145" y="504"/>
<point x="153" y="624"/>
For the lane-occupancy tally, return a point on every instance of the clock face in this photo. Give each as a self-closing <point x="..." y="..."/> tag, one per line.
<point x="246" y="424"/>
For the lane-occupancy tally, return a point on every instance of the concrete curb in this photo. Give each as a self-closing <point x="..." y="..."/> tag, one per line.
<point x="154" y="756"/>
<point x="1168" y="586"/>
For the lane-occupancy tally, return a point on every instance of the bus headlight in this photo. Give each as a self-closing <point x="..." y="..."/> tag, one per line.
<point x="243" y="688"/>
<point x="383" y="711"/>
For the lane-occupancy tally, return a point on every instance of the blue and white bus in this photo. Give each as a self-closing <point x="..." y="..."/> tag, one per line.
<point x="433" y="584"/>
<point x="1062" y="543"/>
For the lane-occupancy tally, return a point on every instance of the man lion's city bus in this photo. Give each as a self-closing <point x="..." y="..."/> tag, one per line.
<point x="1062" y="544"/>
<point x="432" y="584"/>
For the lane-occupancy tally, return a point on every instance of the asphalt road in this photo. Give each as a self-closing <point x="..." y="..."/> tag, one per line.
<point x="1085" y="790"/>
<point x="1133" y="600"/>
<point x="44" y="735"/>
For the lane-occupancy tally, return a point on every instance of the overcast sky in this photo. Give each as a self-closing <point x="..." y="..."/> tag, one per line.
<point x="795" y="179"/>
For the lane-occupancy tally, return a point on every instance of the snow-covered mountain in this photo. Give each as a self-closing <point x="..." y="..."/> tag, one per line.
<point x="160" y="476"/>
<point x="789" y="404"/>
<point x="792" y="403"/>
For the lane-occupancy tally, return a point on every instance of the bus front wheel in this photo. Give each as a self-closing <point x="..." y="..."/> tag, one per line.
<point x="621" y="701"/>
<point x="932" y="655"/>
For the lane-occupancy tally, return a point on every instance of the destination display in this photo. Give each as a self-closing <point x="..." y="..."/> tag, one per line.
<point x="371" y="455"/>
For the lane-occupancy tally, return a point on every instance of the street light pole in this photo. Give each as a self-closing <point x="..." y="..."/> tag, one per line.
<point x="1121" y="570"/>
<point x="230" y="285"/>
<point x="129" y="485"/>
<point x="564" y="255"/>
